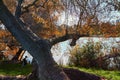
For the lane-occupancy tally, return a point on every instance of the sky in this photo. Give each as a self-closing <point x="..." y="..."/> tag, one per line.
<point x="113" y="17"/>
<point x="2" y="26"/>
<point x="72" y="19"/>
<point x="68" y="19"/>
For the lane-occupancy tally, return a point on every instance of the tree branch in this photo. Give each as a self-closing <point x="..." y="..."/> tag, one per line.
<point x="18" y="12"/>
<point x="26" y="8"/>
<point x="21" y="10"/>
<point x="74" y="37"/>
<point x="115" y="4"/>
<point x="110" y="56"/>
<point x="40" y="51"/>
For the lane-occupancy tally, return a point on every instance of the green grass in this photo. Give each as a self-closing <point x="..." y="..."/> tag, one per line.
<point x="109" y="75"/>
<point x="17" y="69"/>
<point x="11" y="69"/>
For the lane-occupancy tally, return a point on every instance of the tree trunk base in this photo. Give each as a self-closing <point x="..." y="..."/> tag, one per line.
<point x="73" y="74"/>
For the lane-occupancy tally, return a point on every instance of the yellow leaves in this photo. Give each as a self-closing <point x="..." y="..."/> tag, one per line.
<point x="87" y="30"/>
<point x="108" y="30"/>
<point x="54" y="5"/>
<point x="118" y="29"/>
<point x="50" y="3"/>
<point x="91" y="31"/>
<point x="57" y="33"/>
<point x="40" y="20"/>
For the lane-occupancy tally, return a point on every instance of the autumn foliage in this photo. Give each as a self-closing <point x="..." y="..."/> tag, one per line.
<point x="41" y="19"/>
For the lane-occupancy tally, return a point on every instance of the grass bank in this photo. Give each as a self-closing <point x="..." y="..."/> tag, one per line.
<point x="11" y="69"/>
<point x="109" y="75"/>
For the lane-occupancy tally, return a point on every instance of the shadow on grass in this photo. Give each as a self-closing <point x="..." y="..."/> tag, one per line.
<point x="13" y="69"/>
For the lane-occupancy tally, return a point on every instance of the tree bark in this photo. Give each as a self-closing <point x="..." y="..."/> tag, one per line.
<point x="37" y="47"/>
<point x="73" y="36"/>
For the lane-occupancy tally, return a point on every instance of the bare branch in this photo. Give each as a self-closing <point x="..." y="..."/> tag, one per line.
<point x="110" y="56"/>
<point x="115" y="4"/>
<point x="18" y="9"/>
<point x="18" y="13"/>
<point x="26" y="8"/>
<point x="21" y="10"/>
<point x="74" y="37"/>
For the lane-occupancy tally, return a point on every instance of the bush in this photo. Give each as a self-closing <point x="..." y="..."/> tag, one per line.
<point x="86" y="56"/>
<point x="92" y="54"/>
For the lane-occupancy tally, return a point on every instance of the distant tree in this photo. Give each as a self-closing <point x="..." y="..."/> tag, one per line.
<point x="109" y="30"/>
<point x="90" y="13"/>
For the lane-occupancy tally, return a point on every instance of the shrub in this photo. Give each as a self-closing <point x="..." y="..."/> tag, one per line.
<point x="92" y="54"/>
<point x="87" y="55"/>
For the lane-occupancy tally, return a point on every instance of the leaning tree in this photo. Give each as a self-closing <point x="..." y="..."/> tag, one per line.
<point x="38" y="47"/>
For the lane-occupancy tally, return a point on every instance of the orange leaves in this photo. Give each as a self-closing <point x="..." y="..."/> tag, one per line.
<point x="41" y="20"/>
<point x="38" y="19"/>
<point x="91" y="31"/>
<point x="2" y="46"/>
<point x="11" y="4"/>
<point x="50" y="3"/>
<point x="103" y="29"/>
<point x="118" y="29"/>
<point x="87" y="30"/>
<point x="109" y="30"/>
<point x="4" y="33"/>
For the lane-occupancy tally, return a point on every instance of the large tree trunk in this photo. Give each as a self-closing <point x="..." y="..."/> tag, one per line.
<point x="37" y="47"/>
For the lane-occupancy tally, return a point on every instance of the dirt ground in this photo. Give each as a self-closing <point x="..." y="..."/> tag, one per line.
<point x="73" y="74"/>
